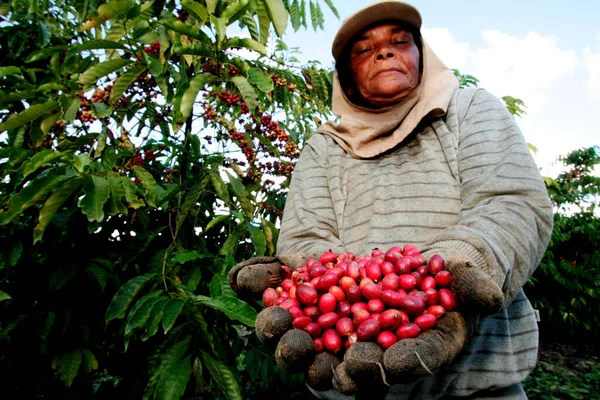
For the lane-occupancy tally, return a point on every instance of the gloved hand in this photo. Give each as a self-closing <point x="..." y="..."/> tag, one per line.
<point x="255" y="275"/>
<point x="409" y="359"/>
<point x="294" y="348"/>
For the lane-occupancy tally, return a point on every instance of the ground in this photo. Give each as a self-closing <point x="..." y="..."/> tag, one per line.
<point x="568" y="368"/>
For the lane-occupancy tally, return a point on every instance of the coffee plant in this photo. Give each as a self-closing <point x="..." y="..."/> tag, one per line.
<point x="566" y="286"/>
<point x="145" y="149"/>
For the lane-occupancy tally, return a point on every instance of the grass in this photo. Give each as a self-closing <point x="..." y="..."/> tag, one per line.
<point x="565" y="371"/>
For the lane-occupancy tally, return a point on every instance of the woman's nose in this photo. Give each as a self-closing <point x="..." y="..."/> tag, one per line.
<point x="384" y="52"/>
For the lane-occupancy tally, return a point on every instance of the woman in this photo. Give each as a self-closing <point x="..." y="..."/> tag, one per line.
<point x="414" y="159"/>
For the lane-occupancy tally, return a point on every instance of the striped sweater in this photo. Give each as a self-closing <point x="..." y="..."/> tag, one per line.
<point x="465" y="182"/>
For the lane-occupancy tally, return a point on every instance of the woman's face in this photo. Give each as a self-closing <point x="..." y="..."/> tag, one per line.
<point x="384" y="62"/>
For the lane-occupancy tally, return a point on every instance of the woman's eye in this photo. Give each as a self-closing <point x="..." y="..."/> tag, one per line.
<point x="362" y="51"/>
<point x="401" y="41"/>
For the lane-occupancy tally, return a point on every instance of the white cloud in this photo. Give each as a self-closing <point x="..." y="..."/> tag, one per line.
<point x="532" y="67"/>
<point x="522" y="67"/>
<point x="592" y="65"/>
<point x="453" y="53"/>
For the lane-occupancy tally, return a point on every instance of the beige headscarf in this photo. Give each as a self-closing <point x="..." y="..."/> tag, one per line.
<point x="365" y="132"/>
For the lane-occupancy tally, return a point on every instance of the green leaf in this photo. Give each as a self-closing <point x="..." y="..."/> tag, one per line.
<point x="44" y="53"/>
<point x="90" y="362"/>
<point x="4" y="296"/>
<point x="271" y="234"/>
<point x="69" y="106"/>
<point x="264" y="21"/>
<point x="187" y="256"/>
<point x="191" y="93"/>
<point x="188" y="30"/>
<point x="124" y="297"/>
<point x="258" y="239"/>
<point x="174" y="379"/>
<point x="217" y="220"/>
<point x="247" y="43"/>
<point x="149" y="184"/>
<point x="238" y="187"/>
<point x="219" y="185"/>
<point x="211" y="5"/>
<point x="220" y="25"/>
<point x="25" y="116"/>
<point x="170" y="313"/>
<point x="100" y="275"/>
<point x="248" y="20"/>
<point x="230" y="244"/>
<point x="192" y="279"/>
<point x="96" y="44"/>
<point x="262" y="81"/>
<point x="314" y="16"/>
<point x="97" y="191"/>
<point x="295" y="15"/>
<point x="196" y="49"/>
<point x="35" y="191"/>
<point x="44" y="331"/>
<point x="131" y="196"/>
<point x="219" y="286"/>
<point x="48" y="122"/>
<point x="49" y="87"/>
<point x="223" y="376"/>
<point x="195" y="8"/>
<point x="115" y="8"/>
<point x="141" y="311"/>
<point x="247" y="91"/>
<point x="278" y="15"/>
<point x="38" y="160"/>
<point x="68" y="365"/>
<point x="52" y="204"/>
<point x="97" y="71"/>
<point x="10" y="71"/>
<point x="80" y="161"/>
<point x="154" y="318"/>
<point x="125" y="81"/>
<point x="15" y="253"/>
<point x="332" y="8"/>
<point x="235" y="10"/>
<point x="117" y="193"/>
<point x="232" y="307"/>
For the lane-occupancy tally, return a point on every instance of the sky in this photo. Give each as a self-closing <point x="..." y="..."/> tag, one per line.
<point x="546" y="53"/>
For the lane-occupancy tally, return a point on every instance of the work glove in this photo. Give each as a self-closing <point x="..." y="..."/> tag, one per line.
<point x="253" y="276"/>
<point x="294" y="348"/>
<point x="476" y="294"/>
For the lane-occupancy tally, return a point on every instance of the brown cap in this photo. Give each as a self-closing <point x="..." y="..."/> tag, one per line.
<point x="380" y="11"/>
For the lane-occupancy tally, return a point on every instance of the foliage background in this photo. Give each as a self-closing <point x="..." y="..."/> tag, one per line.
<point x="145" y="148"/>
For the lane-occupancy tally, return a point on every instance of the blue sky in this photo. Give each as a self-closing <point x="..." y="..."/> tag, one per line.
<point x="545" y="52"/>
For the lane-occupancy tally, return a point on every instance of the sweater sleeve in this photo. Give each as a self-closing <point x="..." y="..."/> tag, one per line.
<point x="506" y="216"/>
<point x="309" y="224"/>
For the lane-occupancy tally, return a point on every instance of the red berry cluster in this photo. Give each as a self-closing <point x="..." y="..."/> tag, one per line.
<point x="183" y="15"/>
<point x="276" y="210"/>
<point x="100" y="96"/>
<point x="210" y="114"/>
<point x="85" y="113"/>
<point x="229" y="98"/>
<point x="58" y="128"/>
<point x="383" y="297"/>
<point x="235" y="135"/>
<point x="154" y="48"/>
<point x="277" y="168"/>
<point x="233" y="70"/>
<point x="210" y="67"/>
